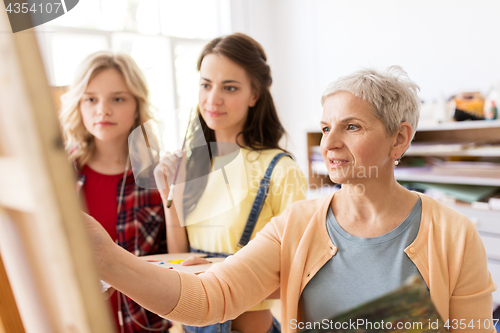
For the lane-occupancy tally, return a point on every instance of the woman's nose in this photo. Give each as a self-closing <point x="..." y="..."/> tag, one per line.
<point x="104" y="109"/>
<point x="332" y="140"/>
<point x="214" y="97"/>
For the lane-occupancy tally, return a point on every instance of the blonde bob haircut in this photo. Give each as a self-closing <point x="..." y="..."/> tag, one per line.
<point x="392" y="94"/>
<point x="79" y="142"/>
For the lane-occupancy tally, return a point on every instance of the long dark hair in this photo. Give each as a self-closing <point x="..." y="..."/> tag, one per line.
<point x="262" y="129"/>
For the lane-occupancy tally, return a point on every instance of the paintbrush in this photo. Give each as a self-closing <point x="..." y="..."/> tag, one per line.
<point x="177" y="167"/>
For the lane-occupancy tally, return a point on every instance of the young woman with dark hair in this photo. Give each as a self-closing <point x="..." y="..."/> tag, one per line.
<point x="237" y="139"/>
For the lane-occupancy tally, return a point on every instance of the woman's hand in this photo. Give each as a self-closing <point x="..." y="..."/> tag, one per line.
<point x="174" y="215"/>
<point x="100" y="240"/>
<point x="165" y="172"/>
<point x="195" y="261"/>
<point x="151" y="286"/>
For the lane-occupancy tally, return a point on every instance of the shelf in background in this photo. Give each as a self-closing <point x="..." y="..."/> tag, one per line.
<point x="493" y="151"/>
<point x="485" y="220"/>
<point x="460" y="125"/>
<point x="425" y="175"/>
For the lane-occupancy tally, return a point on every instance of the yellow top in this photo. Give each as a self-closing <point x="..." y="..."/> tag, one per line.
<point x="218" y="220"/>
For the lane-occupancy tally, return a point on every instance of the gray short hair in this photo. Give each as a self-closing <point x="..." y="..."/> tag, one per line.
<point x="393" y="95"/>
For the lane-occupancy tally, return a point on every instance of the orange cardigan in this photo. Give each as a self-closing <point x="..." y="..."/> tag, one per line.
<point x="291" y="249"/>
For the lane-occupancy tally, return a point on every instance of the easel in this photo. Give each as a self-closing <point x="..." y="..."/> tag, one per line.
<point x="43" y="243"/>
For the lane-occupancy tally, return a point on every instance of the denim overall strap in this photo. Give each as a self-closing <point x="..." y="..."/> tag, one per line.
<point x="259" y="202"/>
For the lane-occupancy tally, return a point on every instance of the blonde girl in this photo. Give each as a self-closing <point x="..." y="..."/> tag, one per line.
<point x="108" y="99"/>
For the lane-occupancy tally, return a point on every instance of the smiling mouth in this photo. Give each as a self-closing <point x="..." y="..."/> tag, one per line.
<point x="334" y="163"/>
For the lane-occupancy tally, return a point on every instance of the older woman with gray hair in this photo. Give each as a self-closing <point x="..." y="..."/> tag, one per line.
<point x="330" y="254"/>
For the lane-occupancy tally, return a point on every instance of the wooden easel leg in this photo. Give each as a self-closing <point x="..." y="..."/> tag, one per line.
<point x="10" y="321"/>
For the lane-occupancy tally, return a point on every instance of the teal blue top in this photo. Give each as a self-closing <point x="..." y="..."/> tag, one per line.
<point x="363" y="268"/>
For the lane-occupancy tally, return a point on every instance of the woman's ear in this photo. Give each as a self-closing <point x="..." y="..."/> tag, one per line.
<point x="254" y="98"/>
<point x="402" y="139"/>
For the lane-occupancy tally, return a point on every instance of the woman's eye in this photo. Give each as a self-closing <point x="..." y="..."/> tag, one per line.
<point x="325" y="129"/>
<point x="119" y="99"/>
<point x="205" y="86"/>
<point x="230" y="88"/>
<point x="352" y="127"/>
<point x="90" y="99"/>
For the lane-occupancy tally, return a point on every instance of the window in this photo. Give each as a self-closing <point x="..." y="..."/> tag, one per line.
<point x="164" y="37"/>
<point x="179" y="19"/>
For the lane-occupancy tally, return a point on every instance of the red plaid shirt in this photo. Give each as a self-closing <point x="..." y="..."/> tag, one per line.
<point x="141" y="221"/>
